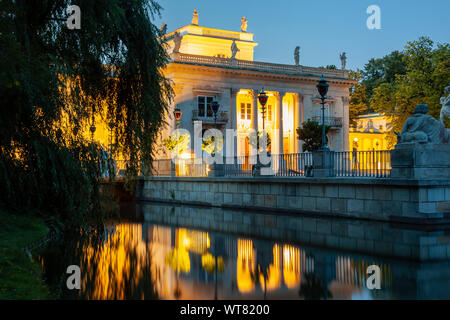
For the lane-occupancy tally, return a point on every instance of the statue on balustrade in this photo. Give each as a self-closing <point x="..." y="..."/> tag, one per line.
<point x="445" y="101"/>
<point x="234" y="50"/>
<point x="243" y="24"/>
<point x="177" y="42"/>
<point x="297" y="55"/>
<point x="195" y="18"/>
<point x="423" y="128"/>
<point x="343" y="60"/>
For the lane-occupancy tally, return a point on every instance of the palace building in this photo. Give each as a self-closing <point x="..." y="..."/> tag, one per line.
<point x="207" y="64"/>
<point x="370" y="133"/>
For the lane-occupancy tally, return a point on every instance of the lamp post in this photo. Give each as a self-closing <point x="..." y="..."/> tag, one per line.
<point x="262" y="98"/>
<point x="322" y="87"/>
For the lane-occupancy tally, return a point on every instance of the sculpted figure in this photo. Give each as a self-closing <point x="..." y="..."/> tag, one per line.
<point x="234" y="50"/>
<point x="243" y="24"/>
<point x="445" y="101"/>
<point x="343" y="60"/>
<point x="297" y="55"/>
<point x="195" y="18"/>
<point x="163" y="29"/>
<point x="177" y="40"/>
<point x="423" y="128"/>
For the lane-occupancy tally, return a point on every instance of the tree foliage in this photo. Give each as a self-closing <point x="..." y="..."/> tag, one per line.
<point x="358" y="97"/>
<point x="53" y="81"/>
<point x="311" y="134"/>
<point x="427" y="74"/>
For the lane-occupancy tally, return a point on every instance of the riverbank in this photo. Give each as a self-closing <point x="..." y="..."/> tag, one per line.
<point x="20" y="277"/>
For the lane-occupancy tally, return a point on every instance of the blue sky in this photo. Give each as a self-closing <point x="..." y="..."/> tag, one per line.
<point x="323" y="29"/>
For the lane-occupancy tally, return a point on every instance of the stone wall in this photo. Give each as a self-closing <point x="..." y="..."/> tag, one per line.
<point x="364" y="198"/>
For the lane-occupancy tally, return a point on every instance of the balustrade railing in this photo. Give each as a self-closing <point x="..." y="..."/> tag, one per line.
<point x="375" y="164"/>
<point x="257" y="65"/>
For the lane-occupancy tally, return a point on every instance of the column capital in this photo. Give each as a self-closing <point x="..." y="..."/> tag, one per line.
<point x="234" y="91"/>
<point x="280" y="94"/>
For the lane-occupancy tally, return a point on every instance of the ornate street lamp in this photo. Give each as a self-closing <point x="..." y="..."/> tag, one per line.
<point x="177" y="113"/>
<point x="322" y="87"/>
<point x="262" y="98"/>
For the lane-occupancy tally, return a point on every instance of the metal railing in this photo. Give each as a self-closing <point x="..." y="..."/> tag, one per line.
<point x="222" y="116"/>
<point x="239" y="166"/>
<point x="375" y="163"/>
<point x="335" y="122"/>
<point x="294" y="164"/>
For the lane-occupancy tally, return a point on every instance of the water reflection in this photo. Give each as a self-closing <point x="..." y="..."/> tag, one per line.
<point x="152" y="259"/>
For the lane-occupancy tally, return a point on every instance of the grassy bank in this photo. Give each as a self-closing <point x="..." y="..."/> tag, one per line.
<point x="20" y="278"/>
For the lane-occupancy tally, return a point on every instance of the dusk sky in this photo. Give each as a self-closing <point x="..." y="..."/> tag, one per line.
<point x="323" y="29"/>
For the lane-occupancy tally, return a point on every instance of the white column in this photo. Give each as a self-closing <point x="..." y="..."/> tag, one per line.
<point x="345" y="123"/>
<point x="255" y="110"/>
<point x="234" y="116"/>
<point x="280" y="96"/>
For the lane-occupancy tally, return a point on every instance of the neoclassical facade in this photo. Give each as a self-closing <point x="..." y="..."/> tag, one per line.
<point x="209" y="64"/>
<point x="370" y="132"/>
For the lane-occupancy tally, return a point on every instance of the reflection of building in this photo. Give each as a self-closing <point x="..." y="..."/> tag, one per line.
<point x="370" y="133"/>
<point x="202" y="68"/>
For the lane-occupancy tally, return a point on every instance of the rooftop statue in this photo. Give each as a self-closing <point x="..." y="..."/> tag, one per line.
<point x="445" y="101"/>
<point x="423" y="128"/>
<point x="234" y="50"/>
<point x="297" y="55"/>
<point x="243" y="24"/>
<point x="177" y="41"/>
<point x="163" y="29"/>
<point x="195" y="18"/>
<point x="343" y="60"/>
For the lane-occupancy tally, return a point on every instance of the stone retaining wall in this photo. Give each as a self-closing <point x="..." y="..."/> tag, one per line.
<point x="364" y="198"/>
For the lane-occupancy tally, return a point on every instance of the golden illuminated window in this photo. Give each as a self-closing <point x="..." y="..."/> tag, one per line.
<point x="246" y="111"/>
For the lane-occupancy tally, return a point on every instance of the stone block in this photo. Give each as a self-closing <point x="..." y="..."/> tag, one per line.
<point x="355" y="231"/>
<point x="237" y="199"/>
<point x="382" y="193"/>
<point x="282" y="201"/>
<point x="438" y="252"/>
<point x="316" y="190"/>
<point x="290" y="190"/>
<point x="302" y="190"/>
<point x="270" y="201"/>
<point x="247" y="199"/>
<point x="355" y="206"/>
<point x="259" y="200"/>
<point x="323" y="226"/>
<point x="331" y="191"/>
<point x="338" y="206"/>
<point x="227" y="198"/>
<point x="323" y="204"/>
<point x="372" y="206"/>
<point x="310" y="225"/>
<point x="294" y="202"/>
<point x="346" y="191"/>
<point x="400" y="194"/>
<point x="436" y="194"/>
<point x="364" y="192"/>
<point x="309" y="203"/>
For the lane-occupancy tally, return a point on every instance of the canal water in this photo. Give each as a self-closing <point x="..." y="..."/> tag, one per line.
<point x="160" y="251"/>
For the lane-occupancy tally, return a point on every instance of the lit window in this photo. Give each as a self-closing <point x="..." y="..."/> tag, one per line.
<point x="242" y="111"/>
<point x="249" y="111"/>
